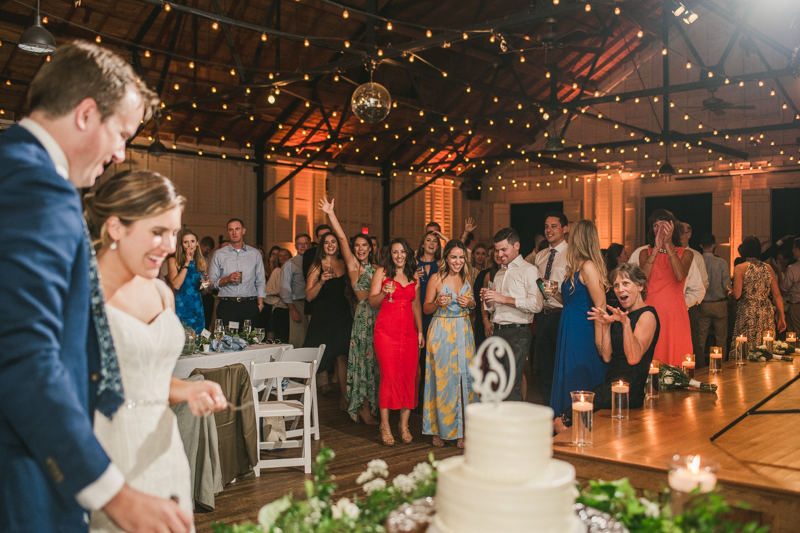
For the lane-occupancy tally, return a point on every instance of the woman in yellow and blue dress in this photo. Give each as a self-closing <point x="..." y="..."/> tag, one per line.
<point x="451" y="346"/>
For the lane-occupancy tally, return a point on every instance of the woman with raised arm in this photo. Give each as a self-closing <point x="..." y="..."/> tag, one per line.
<point x="448" y="385"/>
<point x="628" y="338"/>
<point x="362" y="366"/>
<point x="186" y="269"/>
<point x="328" y="286"/>
<point x="398" y="336"/>
<point x="666" y="265"/>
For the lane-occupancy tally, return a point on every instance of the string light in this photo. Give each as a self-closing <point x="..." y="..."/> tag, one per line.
<point x="215" y="26"/>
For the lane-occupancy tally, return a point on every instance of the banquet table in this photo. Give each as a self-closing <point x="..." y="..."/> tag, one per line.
<point x="759" y="457"/>
<point x="261" y="353"/>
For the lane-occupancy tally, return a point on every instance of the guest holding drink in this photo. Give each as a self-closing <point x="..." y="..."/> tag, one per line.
<point x="552" y="264"/>
<point x="578" y="364"/>
<point x="483" y="327"/>
<point x="666" y="265"/>
<point x="428" y="255"/>
<point x="188" y="280"/>
<point x="628" y="338"/>
<point x="398" y="336"/>
<point x="448" y="385"/>
<point x="753" y="282"/>
<point x="327" y="285"/>
<point x="362" y="366"/>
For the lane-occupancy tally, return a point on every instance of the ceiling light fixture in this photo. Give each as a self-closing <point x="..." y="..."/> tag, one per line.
<point x="36" y="39"/>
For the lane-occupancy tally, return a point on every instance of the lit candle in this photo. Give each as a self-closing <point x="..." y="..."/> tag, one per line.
<point x="582" y="414"/>
<point x="741" y="346"/>
<point x="688" y="367"/>
<point x="791" y="339"/>
<point x="689" y="478"/>
<point x="769" y="336"/>
<point x="651" y="391"/>
<point x="716" y="360"/>
<point x="653" y="369"/>
<point x="620" y="387"/>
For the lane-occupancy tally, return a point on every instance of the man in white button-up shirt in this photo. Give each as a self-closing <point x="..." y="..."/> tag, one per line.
<point x="515" y="298"/>
<point x="552" y="265"/>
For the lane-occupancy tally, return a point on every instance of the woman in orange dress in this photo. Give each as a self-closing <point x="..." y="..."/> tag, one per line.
<point x="666" y="265"/>
<point x="398" y="336"/>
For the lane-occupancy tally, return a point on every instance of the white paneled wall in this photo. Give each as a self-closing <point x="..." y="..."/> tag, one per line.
<point x="216" y="190"/>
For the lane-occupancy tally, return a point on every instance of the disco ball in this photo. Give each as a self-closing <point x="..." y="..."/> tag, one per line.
<point x="371" y="102"/>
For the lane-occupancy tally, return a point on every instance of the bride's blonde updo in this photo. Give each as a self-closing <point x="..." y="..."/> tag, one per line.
<point x="130" y="196"/>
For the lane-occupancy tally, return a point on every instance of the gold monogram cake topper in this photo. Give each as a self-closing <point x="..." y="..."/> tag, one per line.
<point x="494" y="385"/>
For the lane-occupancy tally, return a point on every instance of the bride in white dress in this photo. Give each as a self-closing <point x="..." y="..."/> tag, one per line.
<point x="134" y="218"/>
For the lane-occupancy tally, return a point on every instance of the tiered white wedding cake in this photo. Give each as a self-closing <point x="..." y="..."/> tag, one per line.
<point x="507" y="480"/>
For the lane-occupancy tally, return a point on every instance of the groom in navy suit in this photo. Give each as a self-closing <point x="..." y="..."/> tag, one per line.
<point x="84" y="104"/>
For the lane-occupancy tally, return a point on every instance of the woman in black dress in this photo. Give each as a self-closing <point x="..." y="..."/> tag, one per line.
<point x="628" y="340"/>
<point x="328" y="286"/>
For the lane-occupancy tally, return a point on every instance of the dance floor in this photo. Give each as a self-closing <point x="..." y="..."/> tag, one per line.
<point x="759" y="458"/>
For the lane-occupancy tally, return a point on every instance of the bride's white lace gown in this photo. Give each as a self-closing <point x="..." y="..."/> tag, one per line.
<point x="143" y="439"/>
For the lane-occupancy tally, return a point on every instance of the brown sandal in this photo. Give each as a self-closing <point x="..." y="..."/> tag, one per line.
<point x="405" y="435"/>
<point x="386" y="436"/>
<point x="460" y="443"/>
<point x="437" y="441"/>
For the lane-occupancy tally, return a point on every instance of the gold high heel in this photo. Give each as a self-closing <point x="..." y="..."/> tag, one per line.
<point x="405" y="435"/>
<point x="386" y="435"/>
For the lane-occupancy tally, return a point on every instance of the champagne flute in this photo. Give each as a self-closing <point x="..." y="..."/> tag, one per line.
<point x="260" y="334"/>
<point x="219" y="333"/>
<point x="248" y="327"/>
<point x="391" y="286"/>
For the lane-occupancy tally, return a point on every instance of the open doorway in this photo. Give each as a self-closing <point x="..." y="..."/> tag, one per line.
<point x="785" y="215"/>
<point x="528" y="220"/>
<point x="692" y="208"/>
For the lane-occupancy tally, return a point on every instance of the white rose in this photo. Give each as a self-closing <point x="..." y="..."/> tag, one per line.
<point x="375" y="484"/>
<point x="668" y="380"/>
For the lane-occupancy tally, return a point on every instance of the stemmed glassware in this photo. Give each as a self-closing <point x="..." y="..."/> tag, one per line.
<point x="391" y="286"/>
<point x="248" y="327"/>
<point x="260" y="334"/>
<point x="219" y="333"/>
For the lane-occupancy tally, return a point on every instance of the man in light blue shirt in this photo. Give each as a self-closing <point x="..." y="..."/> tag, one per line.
<point x="237" y="271"/>
<point x="713" y="310"/>
<point x="293" y="291"/>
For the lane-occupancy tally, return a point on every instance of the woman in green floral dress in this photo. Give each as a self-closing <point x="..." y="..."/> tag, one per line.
<point x="362" y="365"/>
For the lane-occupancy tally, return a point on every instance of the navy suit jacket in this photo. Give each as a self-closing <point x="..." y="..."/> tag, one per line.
<point x="48" y="346"/>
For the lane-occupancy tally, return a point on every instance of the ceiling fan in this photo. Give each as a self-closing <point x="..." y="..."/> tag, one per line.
<point x="718" y="106"/>
<point x="551" y="40"/>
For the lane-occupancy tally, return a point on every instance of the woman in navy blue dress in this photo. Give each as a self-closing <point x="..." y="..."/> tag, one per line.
<point x="578" y="362"/>
<point x="186" y="270"/>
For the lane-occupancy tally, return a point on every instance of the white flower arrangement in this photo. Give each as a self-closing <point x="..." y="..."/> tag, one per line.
<point x="404" y="484"/>
<point x="374" y="485"/>
<point x="344" y="507"/>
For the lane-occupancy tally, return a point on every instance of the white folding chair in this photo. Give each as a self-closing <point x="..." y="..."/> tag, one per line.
<point x="285" y="408"/>
<point x="305" y="355"/>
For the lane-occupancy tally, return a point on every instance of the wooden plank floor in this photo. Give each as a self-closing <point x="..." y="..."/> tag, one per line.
<point x="354" y="444"/>
<point x="759" y="458"/>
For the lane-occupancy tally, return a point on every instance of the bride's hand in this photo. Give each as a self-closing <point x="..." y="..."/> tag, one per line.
<point x="205" y="397"/>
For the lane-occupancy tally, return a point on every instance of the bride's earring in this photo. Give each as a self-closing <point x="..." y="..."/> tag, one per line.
<point x="113" y="245"/>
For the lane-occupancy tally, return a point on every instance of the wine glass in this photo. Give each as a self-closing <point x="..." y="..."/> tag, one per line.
<point x="248" y="327"/>
<point x="219" y="333"/>
<point x="260" y="334"/>
<point x="204" y="281"/>
<point x="486" y="305"/>
<point x="551" y="287"/>
<point x="447" y="298"/>
<point x="218" y="325"/>
<point x="391" y="287"/>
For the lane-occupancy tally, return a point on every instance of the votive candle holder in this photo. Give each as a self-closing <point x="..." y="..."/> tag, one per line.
<point x="620" y="398"/>
<point x="582" y="417"/>
<point x="651" y="390"/>
<point x="715" y="360"/>
<point x="740" y="354"/>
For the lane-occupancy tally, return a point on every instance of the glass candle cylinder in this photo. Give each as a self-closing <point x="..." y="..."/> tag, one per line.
<point x="687" y="473"/>
<point x="651" y="391"/>
<point x="582" y="417"/>
<point x="688" y="365"/>
<point x="768" y="339"/>
<point x="620" y="392"/>
<point x="715" y="363"/>
<point x="741" y="350"/>
<point x="791" y="340"/>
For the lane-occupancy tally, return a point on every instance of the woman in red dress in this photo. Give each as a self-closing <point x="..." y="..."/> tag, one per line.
<point x="666" y="265"/>
<point x="398" y="336"/>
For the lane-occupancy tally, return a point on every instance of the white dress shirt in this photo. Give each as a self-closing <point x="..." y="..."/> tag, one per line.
<point x="790" y="284"/>
<point x="97" y="494"/>
<point x="273" y="290"/>
<point x="694" y="290"/>
<point x="293" y="283"/>
<point x="517" y="280"/>
<point x="557" y="272"/>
